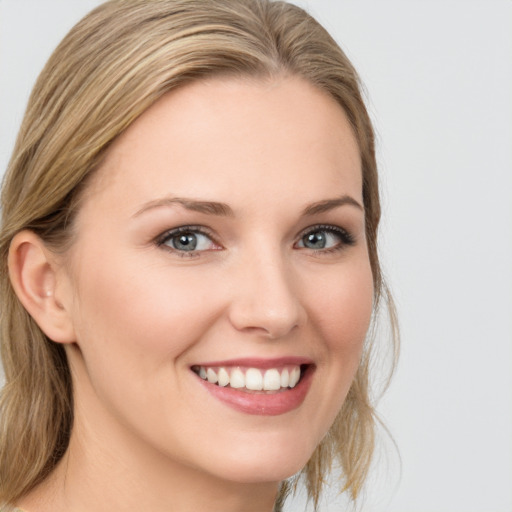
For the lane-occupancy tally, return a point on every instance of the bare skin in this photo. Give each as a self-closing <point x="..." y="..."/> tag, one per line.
<point x="263" y="181"/>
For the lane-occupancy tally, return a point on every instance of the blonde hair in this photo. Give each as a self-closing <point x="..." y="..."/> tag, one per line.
<point x="111" y="67"/>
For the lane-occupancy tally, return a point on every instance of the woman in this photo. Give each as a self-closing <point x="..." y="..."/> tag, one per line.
<point x="190" y="266"/>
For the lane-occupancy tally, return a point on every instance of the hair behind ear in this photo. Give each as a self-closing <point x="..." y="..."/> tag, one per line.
<point x="36" y="410"/>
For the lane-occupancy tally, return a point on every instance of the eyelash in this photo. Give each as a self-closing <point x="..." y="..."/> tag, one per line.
<point x="162" y="240"/>
<point x="345" y="239"/>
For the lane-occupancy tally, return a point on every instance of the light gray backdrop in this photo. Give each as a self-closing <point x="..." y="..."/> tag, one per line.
<point x="439" y="80"/>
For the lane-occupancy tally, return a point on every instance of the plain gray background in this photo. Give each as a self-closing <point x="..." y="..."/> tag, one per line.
<point x="439" y="82"/>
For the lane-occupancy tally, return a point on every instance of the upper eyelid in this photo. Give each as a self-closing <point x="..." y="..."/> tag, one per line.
<point x="347" y="238"/>
<point x="326" y="227"/>
<point x="188" y="227"/>
<point x="204" y="230"/>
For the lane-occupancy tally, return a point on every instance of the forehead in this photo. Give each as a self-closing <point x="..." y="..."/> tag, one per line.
<point x="220" y="137"/>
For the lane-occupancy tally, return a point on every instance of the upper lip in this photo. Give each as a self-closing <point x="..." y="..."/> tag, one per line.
<point x="257" y="362"/>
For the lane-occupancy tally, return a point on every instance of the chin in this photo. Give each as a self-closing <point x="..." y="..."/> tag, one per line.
<point x="270" y="471"/>
<point x="259" y="463"/>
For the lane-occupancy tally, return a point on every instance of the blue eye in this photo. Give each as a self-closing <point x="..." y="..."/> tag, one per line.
<point x="325" y="238"/>
<point x="187" y="239"/>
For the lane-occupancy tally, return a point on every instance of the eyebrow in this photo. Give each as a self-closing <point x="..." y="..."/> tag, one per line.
<point x="207" y="207"/>
<point x="330" y="204"/>
<point x="224" y="210"/>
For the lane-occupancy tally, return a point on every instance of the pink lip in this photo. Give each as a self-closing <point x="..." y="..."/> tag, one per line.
<point x="261" y="403"/>
<point x="254" y="362"/>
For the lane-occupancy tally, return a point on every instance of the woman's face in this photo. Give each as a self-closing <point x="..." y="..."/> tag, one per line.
<point x="222" y="239"/>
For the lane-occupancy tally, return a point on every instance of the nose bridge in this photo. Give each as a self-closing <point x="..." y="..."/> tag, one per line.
<point x="265" y="297"/>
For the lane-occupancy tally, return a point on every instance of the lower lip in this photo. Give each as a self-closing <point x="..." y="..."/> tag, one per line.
<point x="263" y="404"/>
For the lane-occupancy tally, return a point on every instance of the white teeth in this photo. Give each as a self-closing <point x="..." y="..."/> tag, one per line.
<point x="223" y="377"/>
<point x="272" y="380"/>
<point x="237" y="379"/>
<point x="252" y="379"/>
<point x="210" y="375"/>
<point x="285" y="378"/>
<point x="294" y="377"/>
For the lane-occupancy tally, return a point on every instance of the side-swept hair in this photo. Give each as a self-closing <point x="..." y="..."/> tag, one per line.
<point x="110" y="68"/>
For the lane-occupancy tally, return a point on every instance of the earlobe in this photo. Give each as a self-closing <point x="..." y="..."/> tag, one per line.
<point x="34" y="275"/>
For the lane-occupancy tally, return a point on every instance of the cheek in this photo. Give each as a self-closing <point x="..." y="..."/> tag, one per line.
<point x="135" y="323"/>
<point x="341" y="315"/>
<point x="342" y="307"/>
<point x="141" y="315"/>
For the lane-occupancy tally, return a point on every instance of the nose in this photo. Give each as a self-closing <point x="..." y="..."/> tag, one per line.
<point x="265" y="299"/>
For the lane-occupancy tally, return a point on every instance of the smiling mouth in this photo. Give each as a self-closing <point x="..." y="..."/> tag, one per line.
<point x="253" y="380"/>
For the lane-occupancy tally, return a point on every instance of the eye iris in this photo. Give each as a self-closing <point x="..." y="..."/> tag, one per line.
<point x="316" y="240"/>
<point x="185" y="242"/>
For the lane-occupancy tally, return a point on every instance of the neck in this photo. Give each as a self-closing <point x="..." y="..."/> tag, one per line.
<point x="109" y="469"/>
<point x="101" y="481"/>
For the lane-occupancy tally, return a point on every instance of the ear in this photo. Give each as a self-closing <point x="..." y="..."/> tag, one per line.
<point x="37" y="279"/>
